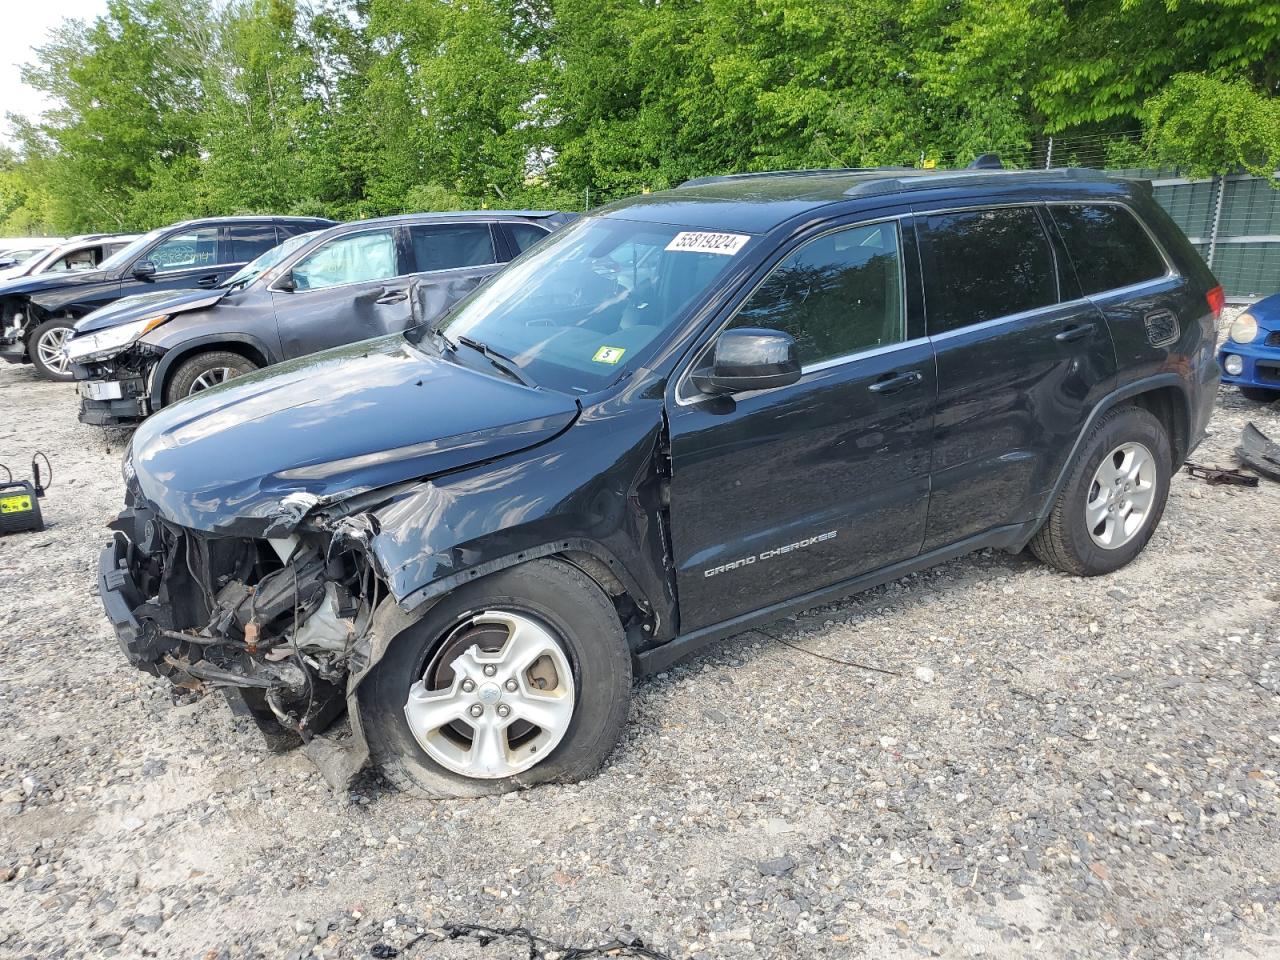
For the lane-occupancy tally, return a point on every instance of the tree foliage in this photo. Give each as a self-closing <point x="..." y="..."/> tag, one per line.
<point x="173" y="108"/>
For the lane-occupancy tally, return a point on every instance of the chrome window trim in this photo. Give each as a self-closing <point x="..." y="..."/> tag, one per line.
<point x="1011" y="318"/>
<point x="684" y="379"/>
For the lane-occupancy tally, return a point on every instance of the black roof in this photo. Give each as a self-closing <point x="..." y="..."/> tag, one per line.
<point x="757" y="202"/>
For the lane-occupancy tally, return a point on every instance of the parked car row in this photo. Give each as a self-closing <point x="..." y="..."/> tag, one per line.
<point x="37" y="313"/>
<point x="680" y="416"/>
<point x="316" y="290"/>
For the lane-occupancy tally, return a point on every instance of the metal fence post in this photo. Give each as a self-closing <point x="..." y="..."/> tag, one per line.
<point x="1048" y="156"/>
<point x="1220" y="184"/>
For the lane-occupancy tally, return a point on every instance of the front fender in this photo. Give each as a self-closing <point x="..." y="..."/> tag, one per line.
<point x="184" y="341"/>
<point x="593" y="489"/>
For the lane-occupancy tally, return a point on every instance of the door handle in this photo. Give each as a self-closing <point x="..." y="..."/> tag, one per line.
<point x="1072" y="334"/>
<point x="393" y="296"/>
<point x="208" y="281"/>
<point x="896" y="381"/>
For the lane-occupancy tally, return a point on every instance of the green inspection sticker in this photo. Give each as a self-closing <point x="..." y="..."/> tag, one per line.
<point x="609" y="354"/>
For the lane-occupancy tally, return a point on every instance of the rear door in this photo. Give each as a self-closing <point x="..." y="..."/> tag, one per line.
<point x="351" y="287"/>
<point x="1022" y="359"/>
<point x="778" y="493"/>
<point x="451" y="260"/>
<point x="246" y="242"/>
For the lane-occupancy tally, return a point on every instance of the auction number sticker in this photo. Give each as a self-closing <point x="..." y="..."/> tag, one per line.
<point x="609" y="354"/>
<point x="696" y="241"/>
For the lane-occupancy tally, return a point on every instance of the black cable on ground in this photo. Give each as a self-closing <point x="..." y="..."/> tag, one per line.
<point x="823" y="656"/>
<point x="539" y="947"/>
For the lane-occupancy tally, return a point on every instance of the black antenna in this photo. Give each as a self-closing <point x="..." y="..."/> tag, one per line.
<point x="988" y="161"/>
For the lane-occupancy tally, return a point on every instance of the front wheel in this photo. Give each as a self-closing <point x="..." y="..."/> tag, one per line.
<point x="521" y="678"/>
<point x="203" y="371"/>
<point x="44" y="347"/>
<point x="1113" y="498"/>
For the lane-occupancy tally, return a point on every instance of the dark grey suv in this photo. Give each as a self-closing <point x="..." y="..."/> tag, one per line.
<point x="318" y="290"/>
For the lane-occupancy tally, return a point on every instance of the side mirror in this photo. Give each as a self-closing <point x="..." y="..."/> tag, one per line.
<point x="749" y="359"/>
<point x="286" y="282"/>
<point x="144" y="269"/>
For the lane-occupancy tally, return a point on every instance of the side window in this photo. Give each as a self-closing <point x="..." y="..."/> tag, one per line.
<point x="525" y="235"/>
<point x="447" y="246"/>
<point x="1108" y="247"/>
<point x="349" y="259"/>
<point x="983" y="264"/>
<point x="838" y="294"/>
<point x="191" y="248"/>
<point x="248" y="241"/>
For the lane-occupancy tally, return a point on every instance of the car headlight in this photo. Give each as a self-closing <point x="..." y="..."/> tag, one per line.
<point x="1244" y="329"/>
<point x="102" y="344"/>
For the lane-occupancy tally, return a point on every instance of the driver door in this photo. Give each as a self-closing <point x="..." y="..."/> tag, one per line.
<point x="778" y="493"/>
<point x="351" y="288"/>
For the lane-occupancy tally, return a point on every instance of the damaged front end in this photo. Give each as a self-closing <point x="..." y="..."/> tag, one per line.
<point x="116" y="391"/>
<point x="273" y="623"/>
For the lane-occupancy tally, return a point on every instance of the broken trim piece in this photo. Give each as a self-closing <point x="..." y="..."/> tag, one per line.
<point x="1259" y="452"/>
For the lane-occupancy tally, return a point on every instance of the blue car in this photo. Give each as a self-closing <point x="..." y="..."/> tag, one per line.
<point x="1250" y="358"/>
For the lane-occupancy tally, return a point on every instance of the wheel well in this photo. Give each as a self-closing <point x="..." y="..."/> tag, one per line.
<point x="252" y="354"/>
<point x="1169" y="406"/>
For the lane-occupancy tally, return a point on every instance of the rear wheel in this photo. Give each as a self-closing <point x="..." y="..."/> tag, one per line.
<point x="1113" y="498"/>
<point x="44" y="347"/>
<point x="203" y="371"/>
<point x="521" y="678"/>
<point x="1259" y="394"/>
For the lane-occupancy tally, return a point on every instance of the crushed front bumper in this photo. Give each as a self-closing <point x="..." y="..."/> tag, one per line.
<point x="108" y="399"/>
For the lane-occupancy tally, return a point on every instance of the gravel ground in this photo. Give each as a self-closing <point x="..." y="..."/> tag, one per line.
<point x="1057" y="768"/>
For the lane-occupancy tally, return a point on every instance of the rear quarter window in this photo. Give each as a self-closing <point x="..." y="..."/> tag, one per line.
<point x="1107" y="245"/>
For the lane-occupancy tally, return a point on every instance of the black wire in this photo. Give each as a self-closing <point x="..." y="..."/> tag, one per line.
<point x="48" y="466"/>
<point x="823" y="656"/>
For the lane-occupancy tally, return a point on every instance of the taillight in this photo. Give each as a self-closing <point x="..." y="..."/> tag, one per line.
<point x="1217" y="298"/>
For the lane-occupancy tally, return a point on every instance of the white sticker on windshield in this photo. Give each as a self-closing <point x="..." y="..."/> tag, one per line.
<point x="692" y="241"/>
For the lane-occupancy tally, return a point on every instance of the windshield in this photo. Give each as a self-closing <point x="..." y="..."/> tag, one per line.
<point x="121" y="257"/>
<point x="252" y="270"/>
<point x="580" y="308"/>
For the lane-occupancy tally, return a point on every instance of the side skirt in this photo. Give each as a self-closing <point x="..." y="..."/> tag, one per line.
<point x="659" y="658"/>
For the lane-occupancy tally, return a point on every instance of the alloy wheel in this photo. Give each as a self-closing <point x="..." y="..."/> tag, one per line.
<point x="211" y="378"/>
<point x="493" y="705"/>
<point x="49" y="349"/>
<point x="1121" y="495"/>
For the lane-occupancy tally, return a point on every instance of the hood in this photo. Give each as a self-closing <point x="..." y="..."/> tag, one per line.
<point x="326" y="427"/>
<point x="143" y="305"/>
<point x="45" y="282"/>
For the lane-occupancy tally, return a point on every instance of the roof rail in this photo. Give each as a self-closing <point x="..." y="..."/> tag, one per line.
<point x="821" y="172"/>
<point x="980" y="175"/>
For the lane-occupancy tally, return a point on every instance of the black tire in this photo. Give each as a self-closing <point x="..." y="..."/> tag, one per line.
<point x="189" y="371"/>
<point x="33" y="348"/>
<point x="1260" y="394"/>
<point x="1064" y="541"/>
<point x="583" y="620"/>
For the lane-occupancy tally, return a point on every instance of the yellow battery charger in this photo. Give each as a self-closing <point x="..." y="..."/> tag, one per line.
<point x="20" y="499"/>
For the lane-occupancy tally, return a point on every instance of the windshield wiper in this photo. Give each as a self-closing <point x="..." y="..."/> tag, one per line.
<point x="503" y="363"/>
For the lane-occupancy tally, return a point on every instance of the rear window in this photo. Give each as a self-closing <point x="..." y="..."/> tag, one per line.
<point x="1107" y="245"/>
<point x="525" y="235"/>
<point x="250" y="241"/>
<point x="449" y="246"/>
<point x="984" y="264"/>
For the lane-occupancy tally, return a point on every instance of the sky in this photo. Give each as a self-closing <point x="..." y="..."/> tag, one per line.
<point x="25" y="24"/>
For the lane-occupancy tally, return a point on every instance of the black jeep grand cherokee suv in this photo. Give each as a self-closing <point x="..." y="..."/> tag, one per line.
<point x="685" y="414"/>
